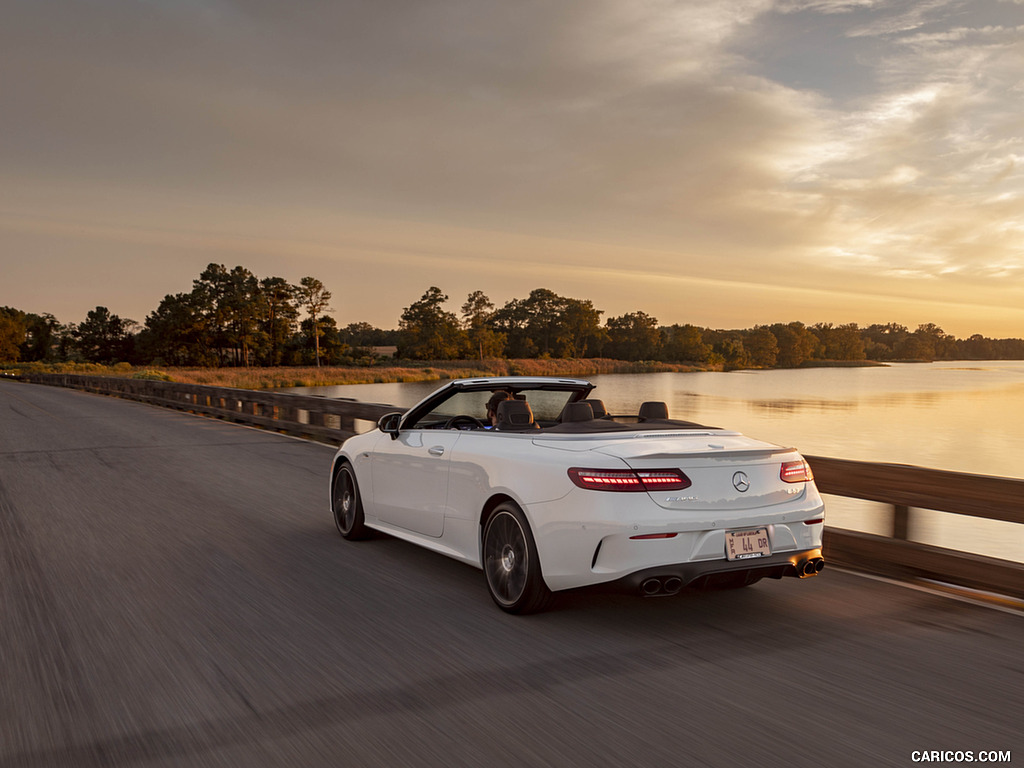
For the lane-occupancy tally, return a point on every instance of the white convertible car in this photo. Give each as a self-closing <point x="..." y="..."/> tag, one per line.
<point x="532" y="481"/>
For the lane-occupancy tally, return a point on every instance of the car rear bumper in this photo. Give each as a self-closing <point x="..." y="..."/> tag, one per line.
<point x="631" y="536"/>
<point x="669" y="579"/>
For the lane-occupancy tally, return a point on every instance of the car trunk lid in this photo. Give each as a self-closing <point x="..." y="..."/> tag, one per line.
<point x="726" y="471"/>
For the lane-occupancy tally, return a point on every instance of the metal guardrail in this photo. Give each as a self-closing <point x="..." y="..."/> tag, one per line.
<point x="903" y="487"/>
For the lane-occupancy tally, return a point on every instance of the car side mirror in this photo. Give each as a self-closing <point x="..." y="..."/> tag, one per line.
<point x="388" y="424"/>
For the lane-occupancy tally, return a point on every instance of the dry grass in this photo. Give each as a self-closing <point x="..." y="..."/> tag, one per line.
<point x="276" y="378"/>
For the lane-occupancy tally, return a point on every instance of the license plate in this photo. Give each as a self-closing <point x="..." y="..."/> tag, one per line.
<point x="740" y="545"/>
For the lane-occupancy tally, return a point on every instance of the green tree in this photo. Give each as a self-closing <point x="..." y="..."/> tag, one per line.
<point x="1005" y="349"/>
<point x="633" y="336"/>
<point x="977" y="347"/>
<point x="843" y="342"/>
<point x="428" y="332"/>
<point x="915" y="347"/>
<point x="880" y="341"/>
<point x="928" y="342"/>
<point x="728" y="348"/>
<point x="229" y="304"/>
<point x="244" y="300"/>
<point x="684" y="343"/>
<point x="543" y="309"/>
<point x="762" y="347"/>
<point x="104" y="337"/>
<point x="42" y="338"/>
<point x="210" y="296"/>
<point x="579" y="330"/>
<point x="477" y="314"/>
<point x="797" y="344"/>
<point x="13" y="329"/>
<point x="64" y="345"/>
<point x="364" y="336"/>
<point x="177" y="332"/>
<point x="940" y="344"/>
<point x="325" y="343"/>
<point x="513" y="321"/>
<point x="314" y="298"/>
<point x="279" y="315"/>
<point x="546" y="324"/>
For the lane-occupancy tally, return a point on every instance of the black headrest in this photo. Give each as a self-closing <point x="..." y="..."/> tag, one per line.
<point x="653" y="409"/>
<point x="597" y="406"/>
<point x="577" y="412"/>
<point x="515" y="414"/>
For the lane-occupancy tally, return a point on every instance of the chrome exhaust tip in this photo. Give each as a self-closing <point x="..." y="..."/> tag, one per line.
<point x="810" y="567"/>
<point x="651" y="587"/>
<point x="806" y="569"/>
<point x="672" y="585"/>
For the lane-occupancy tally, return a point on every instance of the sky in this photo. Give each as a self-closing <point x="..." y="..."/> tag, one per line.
<point x="725" y="163"/>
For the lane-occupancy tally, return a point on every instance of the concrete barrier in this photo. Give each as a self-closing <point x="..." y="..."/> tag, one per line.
<point x="903" y="487"/>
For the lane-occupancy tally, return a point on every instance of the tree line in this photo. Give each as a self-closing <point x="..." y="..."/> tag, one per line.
<point x="233" y="318"/>
<point x="545" y="324"/>
<point x="229" y="318"/>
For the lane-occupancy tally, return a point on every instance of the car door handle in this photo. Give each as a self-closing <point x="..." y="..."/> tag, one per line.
<point x="437" y="450"/>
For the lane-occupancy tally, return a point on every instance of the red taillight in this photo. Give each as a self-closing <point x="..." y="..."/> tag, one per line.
<point x="629" y="479"/>
<point x="796" y="472"/>
<point x="663" y="479"/>
<point x="606" y="479"/>
<point x="646" y="536"/>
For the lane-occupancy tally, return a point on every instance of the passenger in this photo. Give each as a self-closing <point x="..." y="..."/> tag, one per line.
<point x="492" y="407"/>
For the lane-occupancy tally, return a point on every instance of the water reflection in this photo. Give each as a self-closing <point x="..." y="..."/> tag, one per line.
<point x="793" y="406"/>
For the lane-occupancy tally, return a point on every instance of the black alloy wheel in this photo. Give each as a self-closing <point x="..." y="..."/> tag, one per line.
<point x="347" y="505"/>
<point x="511" y="564"/>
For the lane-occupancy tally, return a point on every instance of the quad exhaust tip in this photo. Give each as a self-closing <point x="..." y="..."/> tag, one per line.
<point x="663" y="586"/>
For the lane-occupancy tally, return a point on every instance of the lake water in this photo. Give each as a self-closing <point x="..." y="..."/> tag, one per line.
<point x="960" y="416"/>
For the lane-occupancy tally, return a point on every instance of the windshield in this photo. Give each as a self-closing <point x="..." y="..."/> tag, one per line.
<point x="546" y="405"/>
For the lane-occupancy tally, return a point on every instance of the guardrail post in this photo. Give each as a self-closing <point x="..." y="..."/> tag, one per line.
<point x="901" y="522"/>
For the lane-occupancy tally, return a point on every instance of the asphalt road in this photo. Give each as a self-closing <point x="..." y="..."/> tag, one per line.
<point x="173" y="592"/>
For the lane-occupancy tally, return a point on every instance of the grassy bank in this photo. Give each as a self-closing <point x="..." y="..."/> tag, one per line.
<point x="275" y="378"/>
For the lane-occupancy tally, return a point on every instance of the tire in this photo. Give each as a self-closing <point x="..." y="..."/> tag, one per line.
<point x="511" y="564"/>
<point x="347" y="505"/>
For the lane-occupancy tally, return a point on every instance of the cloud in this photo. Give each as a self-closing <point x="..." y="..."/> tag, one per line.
<point x="899" y="18"/>
<point x="921" y="173"/>
<point x="679" y="131"/>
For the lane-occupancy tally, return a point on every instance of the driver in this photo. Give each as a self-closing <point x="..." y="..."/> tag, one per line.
<point x="492" y="406"/>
